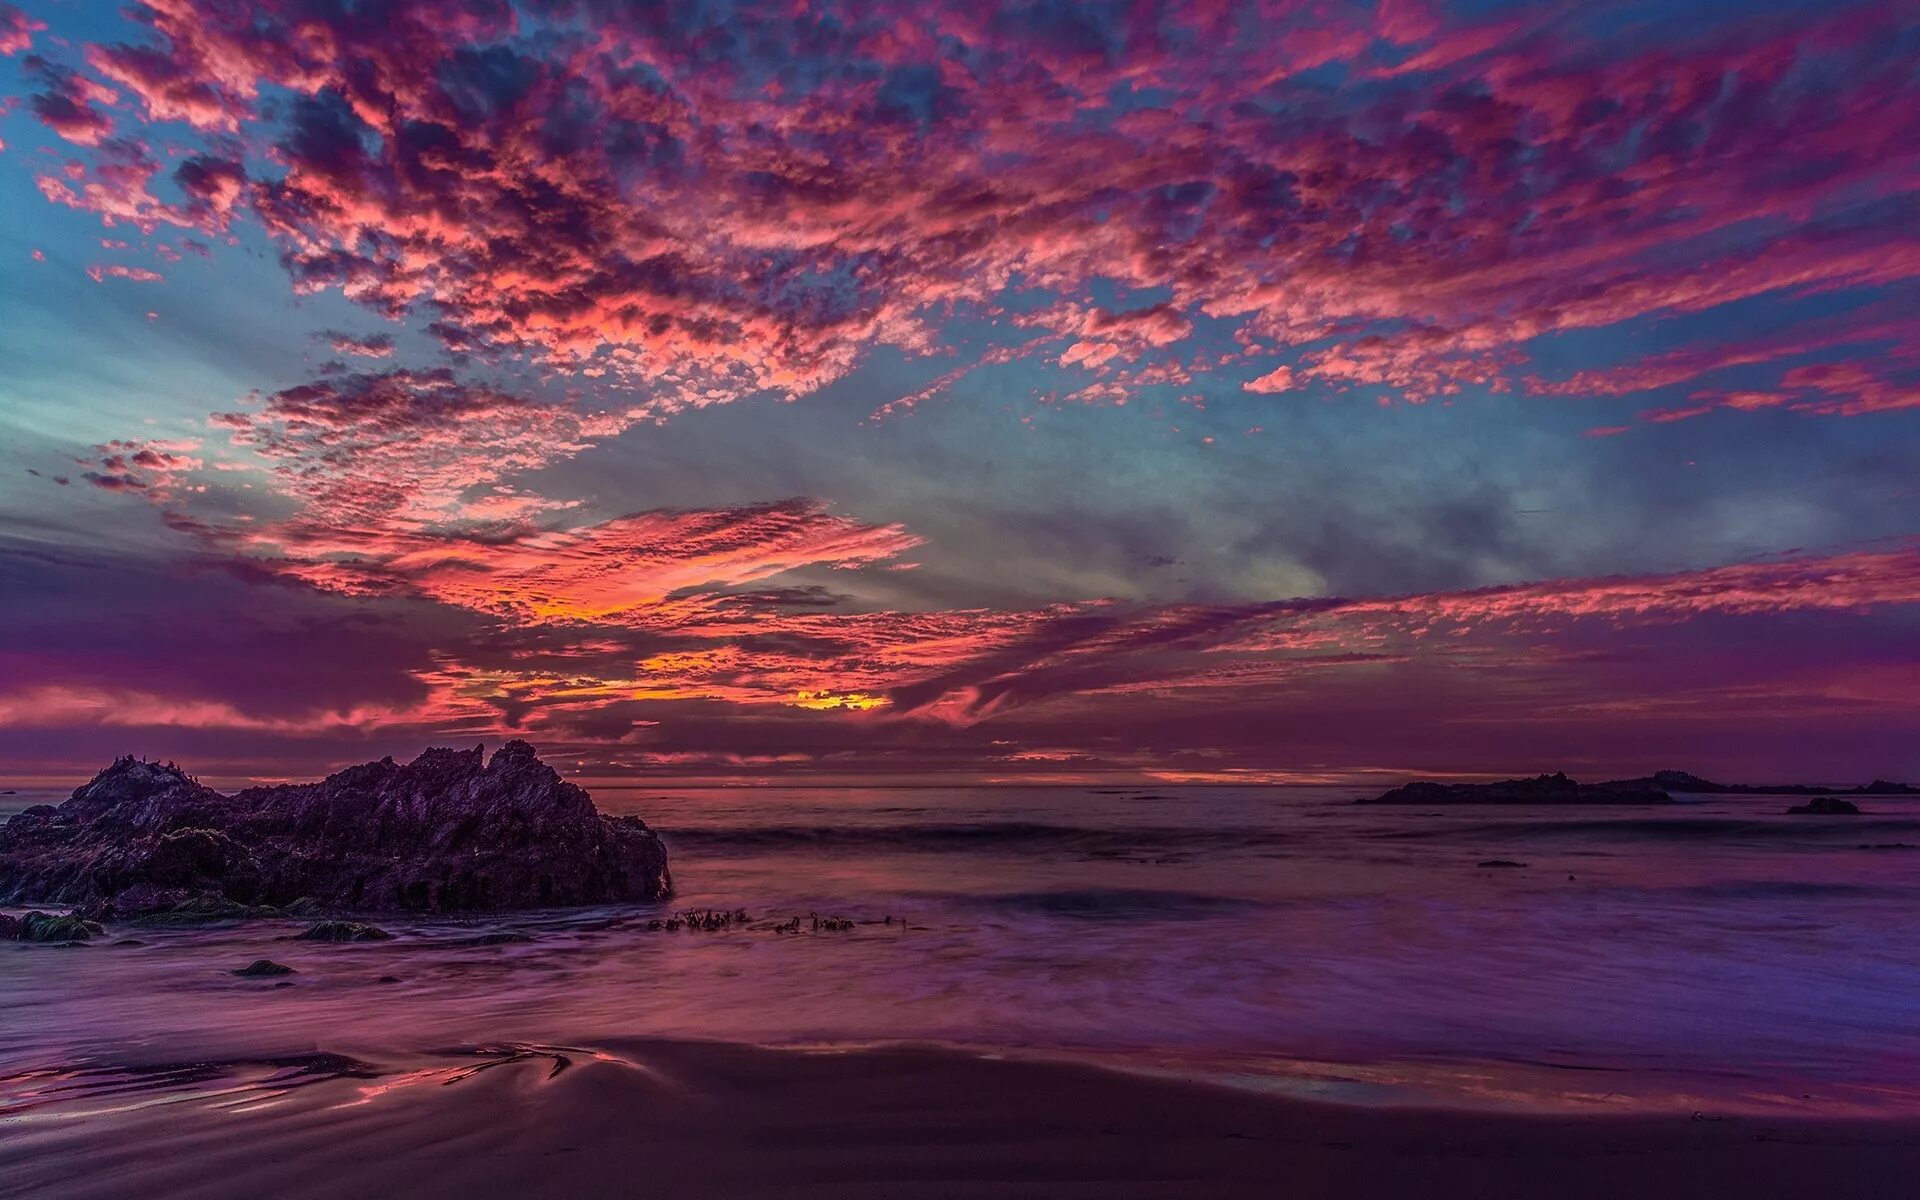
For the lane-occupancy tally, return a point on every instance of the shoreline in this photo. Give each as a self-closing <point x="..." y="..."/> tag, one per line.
<point x="1471" y="1087"/>
<point x="690" y="1118"/>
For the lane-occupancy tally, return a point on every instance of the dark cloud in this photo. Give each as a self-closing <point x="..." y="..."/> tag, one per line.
<point x="67" y="102"/>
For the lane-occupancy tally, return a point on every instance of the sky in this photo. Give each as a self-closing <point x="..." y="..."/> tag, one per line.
<point x="900" y="392"/>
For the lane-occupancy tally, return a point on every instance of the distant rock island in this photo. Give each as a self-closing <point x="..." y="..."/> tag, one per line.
<point x="1541" y="789"/>
<point x="1825" y="806"/>
<point x="1652" y="789"/>
<point x="448" y="832"/>
<point x="1682" y="781"/>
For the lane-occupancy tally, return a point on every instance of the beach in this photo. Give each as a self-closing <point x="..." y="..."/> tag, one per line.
<point x="686" y="1119"/>
<point x="1004" y="991"/>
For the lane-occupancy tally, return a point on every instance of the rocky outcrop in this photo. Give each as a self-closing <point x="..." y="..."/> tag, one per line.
<point x="1542" y="789"/>
<point x="47" y="927"/>
<point x="448" y="832"/>
<point x="1683" y="781"/>
<point x="1826" y="806"/>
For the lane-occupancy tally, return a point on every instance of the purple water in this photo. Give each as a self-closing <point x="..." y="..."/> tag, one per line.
<point x="1718" y="949"/>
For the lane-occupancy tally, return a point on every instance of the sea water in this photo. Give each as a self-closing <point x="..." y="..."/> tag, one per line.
<point x="1713" y="952"/>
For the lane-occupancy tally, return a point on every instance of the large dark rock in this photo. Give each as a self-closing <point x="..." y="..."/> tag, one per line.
<point x="447" y="832"/>
<point x="1542" y="789"/>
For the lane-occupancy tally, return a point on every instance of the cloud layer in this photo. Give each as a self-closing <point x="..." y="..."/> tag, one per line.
<point x="1394" y="199"/>
<point x="526" y="235"/>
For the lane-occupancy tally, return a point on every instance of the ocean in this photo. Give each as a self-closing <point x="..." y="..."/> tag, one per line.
<point x="1717" y="953"/>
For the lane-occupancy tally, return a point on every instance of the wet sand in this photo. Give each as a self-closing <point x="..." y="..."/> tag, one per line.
<point x="672" y="1119"/>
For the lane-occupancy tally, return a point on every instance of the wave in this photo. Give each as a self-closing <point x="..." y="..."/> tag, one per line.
<point x="23" y="1090"/>
<point x="1137" y="842"/>
<point x="1157" y="843"/>
<point x="1779" y="889"/>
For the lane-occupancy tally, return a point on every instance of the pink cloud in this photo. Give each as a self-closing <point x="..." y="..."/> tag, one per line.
<point x="633" y="564"/>
<point x="1280" y="379"/>
<point x="69" y="103"/>
<point x="16" y="30"/>
<point x="378" y="345"/>
<point x="100" y="274"/>
<point x="158" y="467"/>
<point x="736" y="238"/>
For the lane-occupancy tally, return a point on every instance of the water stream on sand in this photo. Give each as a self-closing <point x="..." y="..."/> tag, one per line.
<point x="1714" y="954"/>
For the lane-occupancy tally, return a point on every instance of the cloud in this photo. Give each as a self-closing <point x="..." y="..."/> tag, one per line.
<point x="157" y="466"/>
<point x="742" y="200"/>
<point x="386" y="456"/>
<point x="631" y="211"/>
<point x="233" y="652"/>
<point x="100" y="274"/>
<point x="1879" y="373"/>
<point x="401" y="482"/>
<point x="377" y="345"/>
<point x="16" y="30"/>
<point x="68" y="103"/>
<point x="1155" y="650"/>
<point x="630" y="566"/>
<point x="1280" y="379"/>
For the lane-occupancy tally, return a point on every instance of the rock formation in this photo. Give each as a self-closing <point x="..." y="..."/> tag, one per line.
<point x="47" y="927"/>
<point x="1826" y="806"/>
<point x="1542" y="789"/>
<point x="1683" y="781"/>
<point x="447" y="832"/>
<point x="1650" y="789"/>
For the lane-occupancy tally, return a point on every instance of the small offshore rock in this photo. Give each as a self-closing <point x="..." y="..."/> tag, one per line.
<point x="1504" y="862"/>
<point x="344" y="931"/>
<point x="1826" y="806"/>
<point x="262" y="968"/>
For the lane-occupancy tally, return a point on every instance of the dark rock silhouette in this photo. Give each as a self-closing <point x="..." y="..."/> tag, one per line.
<point x="448" y="832"/>
<point x="1826" y="806"/>
<point x="344" y="931"/>
<point x="1648" y="789"/>
<point x="261" y="968"/>
<point x="1542" y="789"/>
<point x="1682" y="781"/>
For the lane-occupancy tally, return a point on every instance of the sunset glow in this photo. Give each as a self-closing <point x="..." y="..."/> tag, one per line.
<point x="1070" y="391"/>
